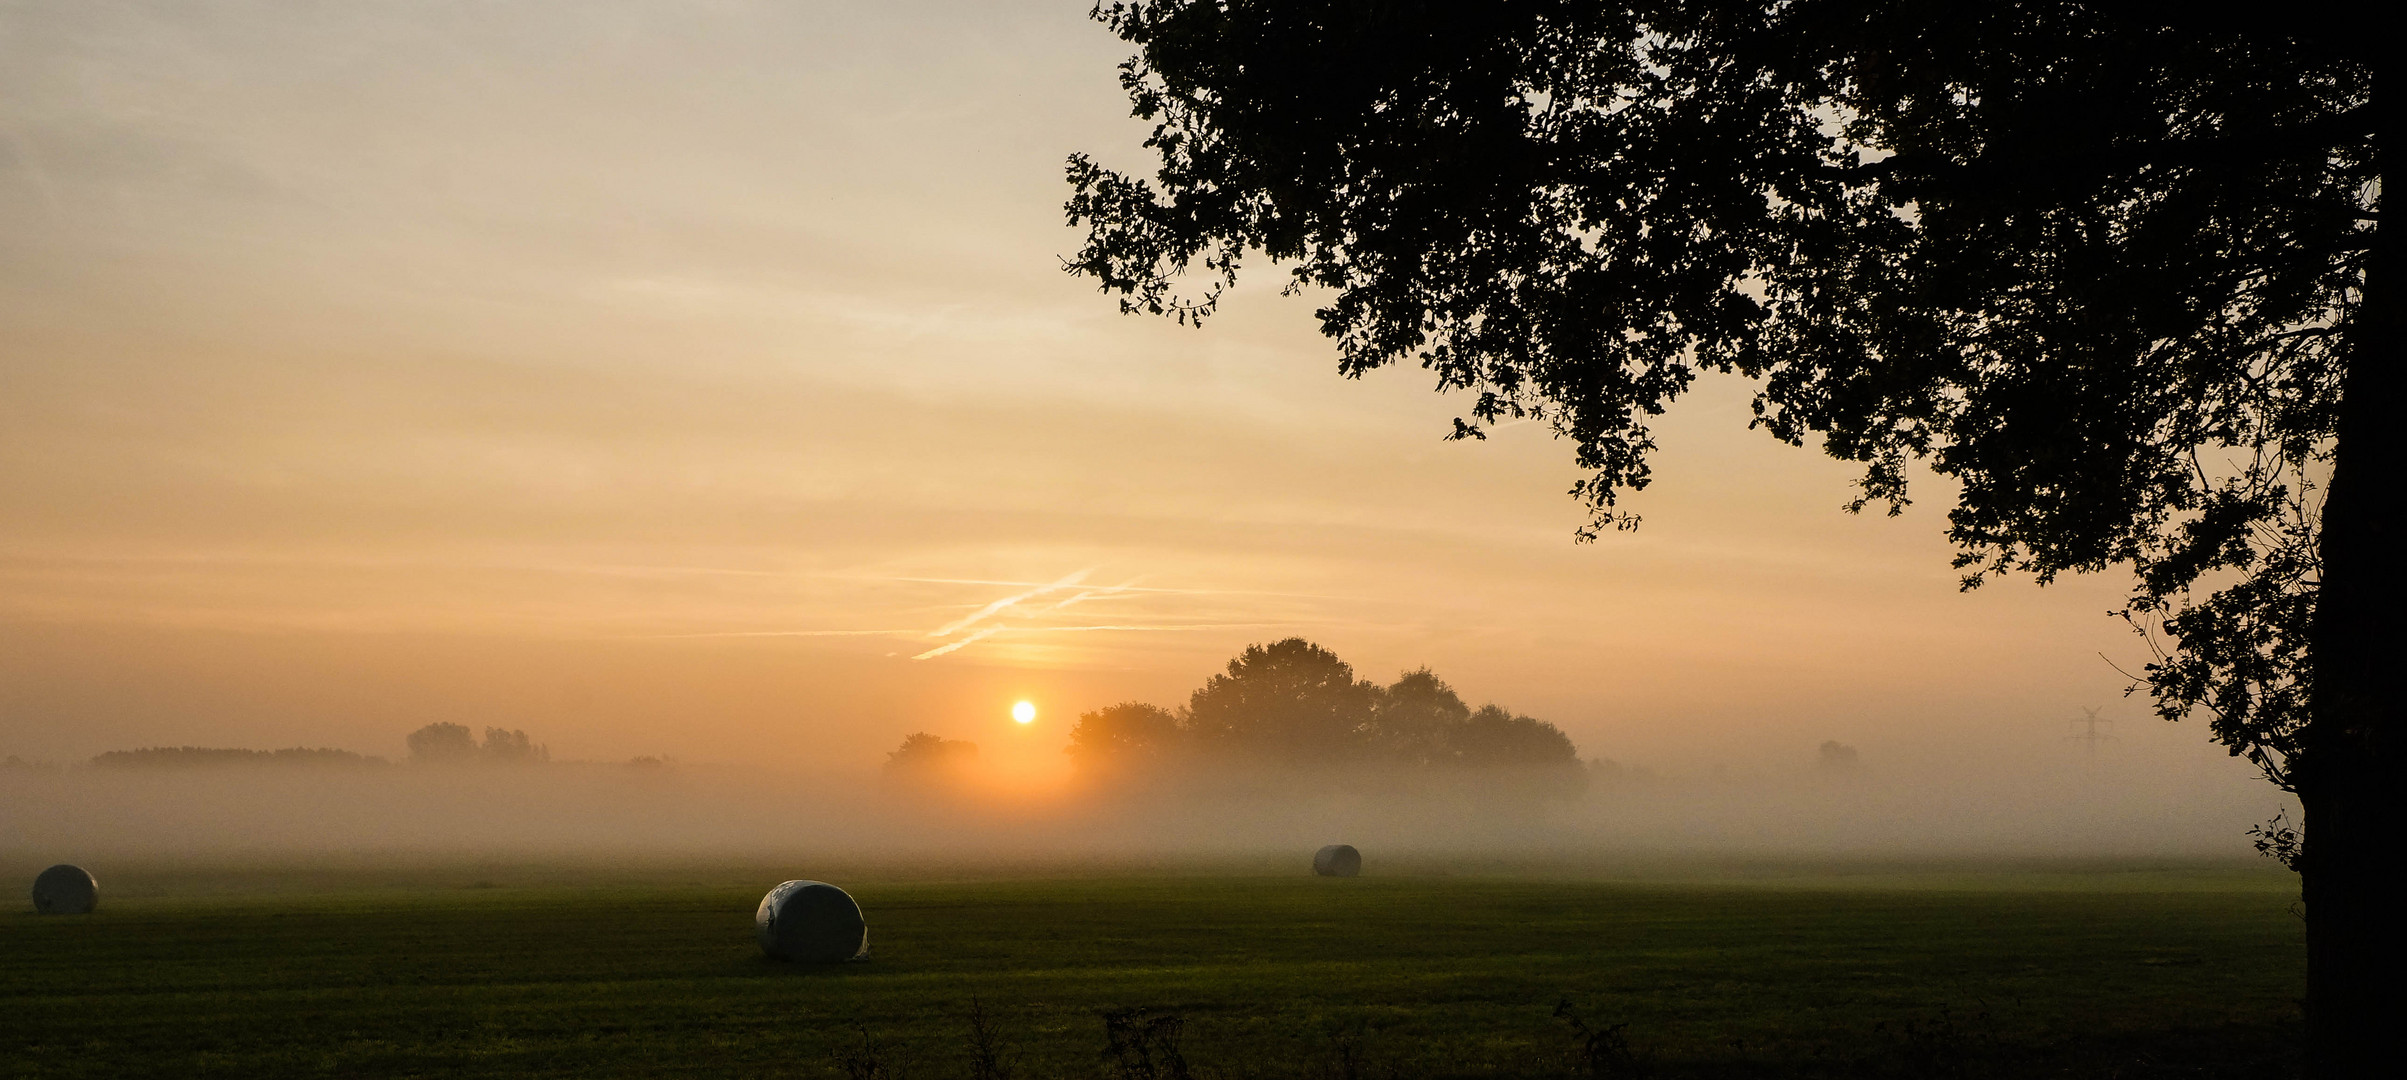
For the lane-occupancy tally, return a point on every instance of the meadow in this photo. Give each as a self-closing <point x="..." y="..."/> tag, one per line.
<point x="1430" y="969"/>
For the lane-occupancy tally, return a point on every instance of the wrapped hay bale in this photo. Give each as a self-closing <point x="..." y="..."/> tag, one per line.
<point x="1337" y="860"/>
<point x="65" y="890"/>
<point x="811" y="922"/>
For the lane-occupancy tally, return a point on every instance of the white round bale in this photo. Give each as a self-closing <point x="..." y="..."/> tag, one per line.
<point x="811" y="922"/>
<point x="1337" y="860"/>
<point x="65" y="890"/>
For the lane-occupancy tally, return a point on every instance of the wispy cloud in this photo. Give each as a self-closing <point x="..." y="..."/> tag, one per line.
<point x="789" y="633"/>
<point x="975" y="626"/>
<point x="999" y="606"/>
<point x="977" y="636"/>
<point x="1132" y="587"/>
<point x="1090" y="594"/>
<point x="949" y="646"/>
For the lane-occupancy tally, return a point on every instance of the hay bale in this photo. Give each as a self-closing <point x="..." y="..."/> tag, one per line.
<point x="65" y="890"/>
<point x="1337" y="860"/>
<point x="811" y="922"/>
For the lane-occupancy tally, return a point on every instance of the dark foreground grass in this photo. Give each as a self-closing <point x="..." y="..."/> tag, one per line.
<point x="1273" y="976"/>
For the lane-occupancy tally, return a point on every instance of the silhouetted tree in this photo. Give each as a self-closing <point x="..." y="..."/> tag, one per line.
<point x="442" y="744"/>
<point x="1494" y="736"/>
<point x="1131" y="733"/>
<point x="1420" y="720"/>
<point x="452" y="744"/>
<point x="1414" y="713"/>
<point x="1289" y="701"/>
<point x="511" y="747"/>
<point x="1295" y="703"/>
<point x="1837" y="756"/>
<point x="922" y="752"/>
<point x="2111" y="268"/>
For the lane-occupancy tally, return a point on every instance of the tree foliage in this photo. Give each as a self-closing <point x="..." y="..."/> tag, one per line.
<point x="451" y="744"/>
<point x="2097" y="265"/>
<point x="1292" y="703"/>
<point x="1289" y="699"/>
<point x="511" y="746"/>
<point x="1131" y="733"/>
<point x="2112" y="269"/>
<point x="921" y="752"/>
<point x="442" y="744"/>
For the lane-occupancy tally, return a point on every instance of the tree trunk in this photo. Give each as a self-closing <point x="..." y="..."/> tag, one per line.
<point x="2352" y="776"/>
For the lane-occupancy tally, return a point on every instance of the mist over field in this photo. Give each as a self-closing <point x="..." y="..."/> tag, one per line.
<point x="360" y="375"/>
<point x="672" y="811"/>
<point x="1286" y="748"/>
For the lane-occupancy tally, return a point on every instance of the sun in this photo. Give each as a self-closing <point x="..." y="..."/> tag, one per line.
<point x="1024" y="712"/>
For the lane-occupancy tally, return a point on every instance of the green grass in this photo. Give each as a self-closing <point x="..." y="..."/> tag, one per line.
<point x="653" y="972"/>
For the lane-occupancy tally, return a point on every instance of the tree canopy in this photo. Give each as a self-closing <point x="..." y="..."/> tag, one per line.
<point x="921" y="752"/>
<point x="1129" y="733"/>
<point x="2107" y="267"/>
<point x="1292" y="703"/>
<point x="1973" y="234"/>
<point x="1288" y="699"/>
<point x="445" y="743"/>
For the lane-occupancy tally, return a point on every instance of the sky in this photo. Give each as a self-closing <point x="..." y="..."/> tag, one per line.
<point x="700" y="379"/>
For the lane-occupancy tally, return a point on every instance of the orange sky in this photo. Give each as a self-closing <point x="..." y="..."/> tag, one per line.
<point x="700" y="379"/>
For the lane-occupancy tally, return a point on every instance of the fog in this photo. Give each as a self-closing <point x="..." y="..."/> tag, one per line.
<point x="682" y="381"/>
<point x="2103" y="809"/>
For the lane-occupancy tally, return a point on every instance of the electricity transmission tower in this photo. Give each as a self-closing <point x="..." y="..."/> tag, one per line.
<point x="2085" y="730"/>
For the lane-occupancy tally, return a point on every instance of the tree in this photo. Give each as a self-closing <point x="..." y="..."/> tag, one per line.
<point x="1295" y="703"/>
<point x="1414" y="714"/>
<point x="451" y="744"/>
<point x="922" y="753"/>
<point x="510" y="746"/>
<point x="1494" y="736"/>
<point x="1131" y="733"/>
<point x="442" y="744"/>
<point x="1421" y="721"/>
<point x="2111" y="268"/>
<point x="1289" y="701"/>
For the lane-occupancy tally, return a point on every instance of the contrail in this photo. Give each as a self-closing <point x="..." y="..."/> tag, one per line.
<point x="982" y="614"/>
<point x="1089" y="594"/>
<point x="1121" y="588"/>
<point x="949" y="646"/>
<point x="790" y="633"/>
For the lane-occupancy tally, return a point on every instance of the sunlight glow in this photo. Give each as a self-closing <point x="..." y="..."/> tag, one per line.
<point x="1024" y="712"/>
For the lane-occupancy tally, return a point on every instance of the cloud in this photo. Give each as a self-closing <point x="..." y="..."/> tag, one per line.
<point x="981" y="635"/>
<point x="1090" y="594"/>
<point x="990" y="610"/>
<point x="786" y="633"/>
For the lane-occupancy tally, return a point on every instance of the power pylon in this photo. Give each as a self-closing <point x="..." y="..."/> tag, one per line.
<point x="2086" y="730"/>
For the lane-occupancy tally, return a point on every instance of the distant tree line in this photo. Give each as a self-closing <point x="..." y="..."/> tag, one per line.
<point x="1294" y="703"/>
<point x="455" y="744"/>
<point x="434" y="744"/>
<point x="186" y="756"/>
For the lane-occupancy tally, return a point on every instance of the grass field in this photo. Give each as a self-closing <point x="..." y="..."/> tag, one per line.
<point x="1424" y="971"/>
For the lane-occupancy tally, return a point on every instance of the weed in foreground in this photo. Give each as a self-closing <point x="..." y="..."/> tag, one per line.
<point x="1142" y="1044"/>
<point x="987" y="1058"/>
<point x="1146" y="1044"/>
<point x="870" y="1062"/>
<point x="1602" y="1052"/>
